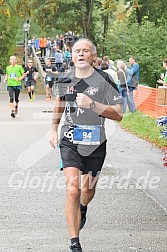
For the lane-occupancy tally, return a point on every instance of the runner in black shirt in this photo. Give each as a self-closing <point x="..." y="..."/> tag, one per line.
<point x="87" y="96"/>
<point x="50" y="74"/>
<point x="31" y="76"/>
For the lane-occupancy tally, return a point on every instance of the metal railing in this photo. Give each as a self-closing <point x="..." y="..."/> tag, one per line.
<point x="38" y="65"/>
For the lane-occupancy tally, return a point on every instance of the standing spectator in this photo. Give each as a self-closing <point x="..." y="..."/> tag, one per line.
<point x="58" y="58"/>
<point x="133" y="80"/>
<point x="53" y="47"/>
<point x="98" y="62"/>
<point x="48" y="47"/>
<point x="42" y="45"/>
<point x="67" y="57"/>
<point x="111" y="72"/>
<point x="61" y="42"/>
<point x="69" y="39"/>
<point x="87" y="96"/>
<point x="122" y="77"/>
<point x="14" y="76"/>
<point x="37" y="44"/>
<point x="31" y="77"/>
<point x="57" y="42"/>
<point x="31" y="43"/>
<point x="109" y="62"/>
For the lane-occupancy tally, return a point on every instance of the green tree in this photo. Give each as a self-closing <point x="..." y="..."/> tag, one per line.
<point x="147" y="42"/>
<point x="153" y="9"/>
<point x="8" y="31"/>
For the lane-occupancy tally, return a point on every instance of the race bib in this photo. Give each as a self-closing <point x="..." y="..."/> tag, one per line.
<point x="49" y="78"/>
<point x="13" y="76"/>
<point x="86" y="135"/>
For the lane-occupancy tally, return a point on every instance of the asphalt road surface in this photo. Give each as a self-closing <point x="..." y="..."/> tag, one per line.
<point x="128" y="213"/>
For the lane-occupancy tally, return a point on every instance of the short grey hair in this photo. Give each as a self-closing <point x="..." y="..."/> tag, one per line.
<point x="94" y="50"/>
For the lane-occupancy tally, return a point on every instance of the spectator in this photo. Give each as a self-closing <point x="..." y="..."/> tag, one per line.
<point x="109" y="62"/>
<point x="98" y="62"/>
<point x="133" y="80"/>
<point x="48" y="47"/>
<point x="111" y="72"/>
<point x="58" y="58"/>
<point x="37" y="44"/>
<point x="67" y="57"/>
<point x="42" y="45"/>
<point x="122" y="77"/>
<point x="61" y="42"/>
<point x="53" y="47"/>
<point x="31" y="43"/>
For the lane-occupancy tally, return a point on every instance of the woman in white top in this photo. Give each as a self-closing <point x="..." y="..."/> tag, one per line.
<point x="122" y="77"/>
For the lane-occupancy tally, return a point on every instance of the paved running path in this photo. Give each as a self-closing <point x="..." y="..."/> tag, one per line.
<point x="123" y="217"/>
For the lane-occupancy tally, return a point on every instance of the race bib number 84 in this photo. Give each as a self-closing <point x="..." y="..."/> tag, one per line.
<point x="86" y="135"/>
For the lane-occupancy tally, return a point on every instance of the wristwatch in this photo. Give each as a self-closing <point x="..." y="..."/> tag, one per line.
<point x="92" y="105"/>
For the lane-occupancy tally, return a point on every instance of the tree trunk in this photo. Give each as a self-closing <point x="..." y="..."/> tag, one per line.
<point x="86" y="17"/>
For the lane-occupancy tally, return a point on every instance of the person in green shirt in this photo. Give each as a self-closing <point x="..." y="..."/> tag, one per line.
<point x="14" y="76"/>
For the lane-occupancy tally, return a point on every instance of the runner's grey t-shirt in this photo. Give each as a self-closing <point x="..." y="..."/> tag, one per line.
<point x="99" y="87"/>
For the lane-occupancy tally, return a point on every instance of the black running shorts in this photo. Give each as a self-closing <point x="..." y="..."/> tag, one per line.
<point x="30" y="83"/>
<point x="50" y="83"/>
<point x="87" y="164"/>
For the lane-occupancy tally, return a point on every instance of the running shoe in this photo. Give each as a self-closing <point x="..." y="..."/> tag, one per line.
<point x="47" y="99"/>
<point x="33" y="96"/>
<point x="75" y="248"/>
<point x="83" y="217"/>
<point x="16" y="110"/>
<point x="12" y="114"/>
<point x="31" y="100"/>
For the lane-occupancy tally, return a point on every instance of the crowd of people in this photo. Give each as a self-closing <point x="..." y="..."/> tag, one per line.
<point x="58" y="47"/>
<point x="126" y="78"/>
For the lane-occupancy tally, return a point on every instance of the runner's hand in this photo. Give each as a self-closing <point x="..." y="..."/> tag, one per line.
<point x="83" y="100"/>
<point x="53" y="140"/>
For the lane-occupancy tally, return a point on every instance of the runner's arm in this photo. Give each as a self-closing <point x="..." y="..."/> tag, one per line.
<point x="57" y="114"/>
<point x="6" y="78"/>
<point x="113" y="112"/>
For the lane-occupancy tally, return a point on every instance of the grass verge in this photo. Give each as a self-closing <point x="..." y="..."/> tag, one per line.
<point x="143" y="126"/>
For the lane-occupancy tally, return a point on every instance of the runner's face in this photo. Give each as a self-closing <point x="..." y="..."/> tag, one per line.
<point x="131" y="61"/>
<point x="48" y="63"/>
<point x="13" y="61"/>
<point x="82" y="54"/>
